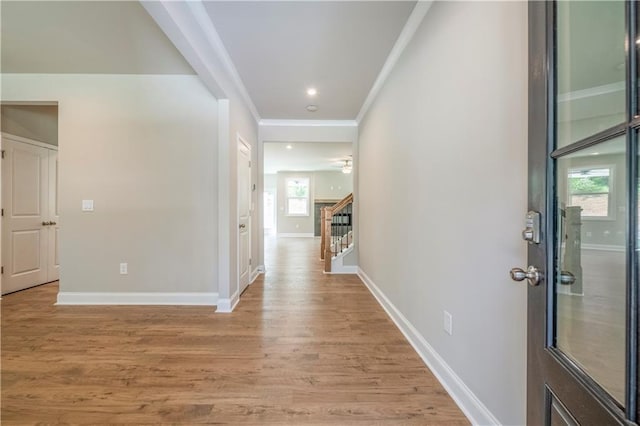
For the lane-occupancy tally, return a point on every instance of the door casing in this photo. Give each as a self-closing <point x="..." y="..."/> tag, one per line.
<point x="48" y="236"/>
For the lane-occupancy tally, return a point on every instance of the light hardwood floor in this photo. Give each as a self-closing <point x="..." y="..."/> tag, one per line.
<point x="301" y="348"/>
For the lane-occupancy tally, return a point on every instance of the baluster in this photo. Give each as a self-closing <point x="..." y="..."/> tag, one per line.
<point x="350" y="227"/>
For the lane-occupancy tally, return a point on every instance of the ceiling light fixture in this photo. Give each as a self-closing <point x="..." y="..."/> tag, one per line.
<point x="289" y="147"/>
<point x="312" y="91"/>
<point x="348" y="167"/>
<point x="312" y="108"/>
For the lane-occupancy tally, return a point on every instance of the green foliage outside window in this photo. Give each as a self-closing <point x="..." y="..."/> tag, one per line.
<point x="298" y="188"/>
<point x="589" y="185"/>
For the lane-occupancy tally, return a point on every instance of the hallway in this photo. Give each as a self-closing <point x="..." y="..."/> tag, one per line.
<point x="301" y="348"/>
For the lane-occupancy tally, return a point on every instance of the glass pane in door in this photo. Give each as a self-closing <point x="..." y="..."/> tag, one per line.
<point x="591" y="282"/>
<point x="590" y="68"/>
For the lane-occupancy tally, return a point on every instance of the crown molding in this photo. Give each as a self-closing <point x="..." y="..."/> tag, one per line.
<point x="408" y="31"/>
<point x="308" y="123"/>
<point x="188" y="26"/>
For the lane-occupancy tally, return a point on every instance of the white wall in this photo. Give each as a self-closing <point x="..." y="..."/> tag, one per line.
<point x="307" y="131"/>
<point x="37" y="122"/>
<point x="332" y="185"/>
<point x="445" y="146"/>
<point x="145" y="149"/>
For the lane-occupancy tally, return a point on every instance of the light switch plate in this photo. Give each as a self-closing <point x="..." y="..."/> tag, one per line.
<point x="448" y="323"/>
<point x="87" y="205"/>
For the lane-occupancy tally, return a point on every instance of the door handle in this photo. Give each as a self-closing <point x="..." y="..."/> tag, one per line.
<point x="532" y="275"/>
<point x="567" y="278"/>
<point x="46" y="223"/>
<point x="242" y="226"/>
<point x="52" y="223"/>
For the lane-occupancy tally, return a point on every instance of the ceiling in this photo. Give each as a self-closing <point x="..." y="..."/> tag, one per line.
<point x="281" y="48"/>
<point x="305" y="156"/>
<point x="107" y="37"/>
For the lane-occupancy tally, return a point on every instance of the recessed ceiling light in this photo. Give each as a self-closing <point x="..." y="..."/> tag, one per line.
<point x="312" y="91"/>
<point x="289" y="147"/>
<point x="595" y="153"/>
<point x="312" y="108"/>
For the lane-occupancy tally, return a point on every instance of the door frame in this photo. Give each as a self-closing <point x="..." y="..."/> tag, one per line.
<point x="543" y="359"/>
<point x="32" y="142"/>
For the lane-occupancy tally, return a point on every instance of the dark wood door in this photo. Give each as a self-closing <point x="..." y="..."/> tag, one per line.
<point x="583" y="181"/>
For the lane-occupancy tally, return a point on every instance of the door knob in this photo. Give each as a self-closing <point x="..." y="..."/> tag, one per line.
<point x="567" y="278"/>
<point x="532" y="275"/>
<point x="52" y="223"/>
<point x="46" y="223"/>
<point x="242" y="226"/>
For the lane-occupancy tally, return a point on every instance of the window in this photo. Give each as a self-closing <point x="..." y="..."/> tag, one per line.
<point x="590" y="188"/>
<point x="297" y="196"/>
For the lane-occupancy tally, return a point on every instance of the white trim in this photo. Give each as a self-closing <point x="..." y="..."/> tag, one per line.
<point x="308" y="123"/>
<point x="254" y="275"/>
<point x="295" y="234"/>
<point x="224" y="203"/>
<point x="468" y="402"/>
<point x="188" y="26"/>
<point x="83" y="298"/>
<point x="343" y="269"/>
<point x="602" y="247"/>
<point x="593" y="91"/>
<point x="28" y="141"/>
<point x="226" y="306"/>
<point x="203" y="19"/>
<point x="408" y="31"/>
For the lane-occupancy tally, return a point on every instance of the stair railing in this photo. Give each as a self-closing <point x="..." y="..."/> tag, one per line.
<point x="337" y="230"/>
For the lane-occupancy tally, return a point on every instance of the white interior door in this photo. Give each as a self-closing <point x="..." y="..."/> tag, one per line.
<point x="244" y="214"/>
<point x="26" y="209"/>
<point x="53" y="262"/>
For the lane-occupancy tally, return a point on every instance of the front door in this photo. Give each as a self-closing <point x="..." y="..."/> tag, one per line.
<point x="583" y="210"/>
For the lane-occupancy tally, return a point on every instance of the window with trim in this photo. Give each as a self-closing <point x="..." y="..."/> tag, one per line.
<point x="591" y="189"/>
<point x="297" y="196"/>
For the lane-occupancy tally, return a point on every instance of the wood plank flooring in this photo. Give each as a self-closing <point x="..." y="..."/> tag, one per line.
<point x="301" y="348"/>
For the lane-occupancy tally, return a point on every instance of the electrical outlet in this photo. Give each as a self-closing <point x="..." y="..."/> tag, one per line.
<point x="124" y="268"/>
<point x="448" y="323"/>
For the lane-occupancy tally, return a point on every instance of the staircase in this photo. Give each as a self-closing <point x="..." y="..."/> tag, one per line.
<point x="337" y="233"/>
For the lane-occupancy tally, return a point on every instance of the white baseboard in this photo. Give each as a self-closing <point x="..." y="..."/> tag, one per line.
<point x="226" y="306"/>
<point x="295" y="234"/>
<point x="262" y="269"/>
<point x="255" y="274"/>
<point x="81" y="298"/>
<point x="470" y="405"/>
<point x="343" y="269"/>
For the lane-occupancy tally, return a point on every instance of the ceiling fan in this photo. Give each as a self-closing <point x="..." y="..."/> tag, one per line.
<point x="346" y="165"/>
